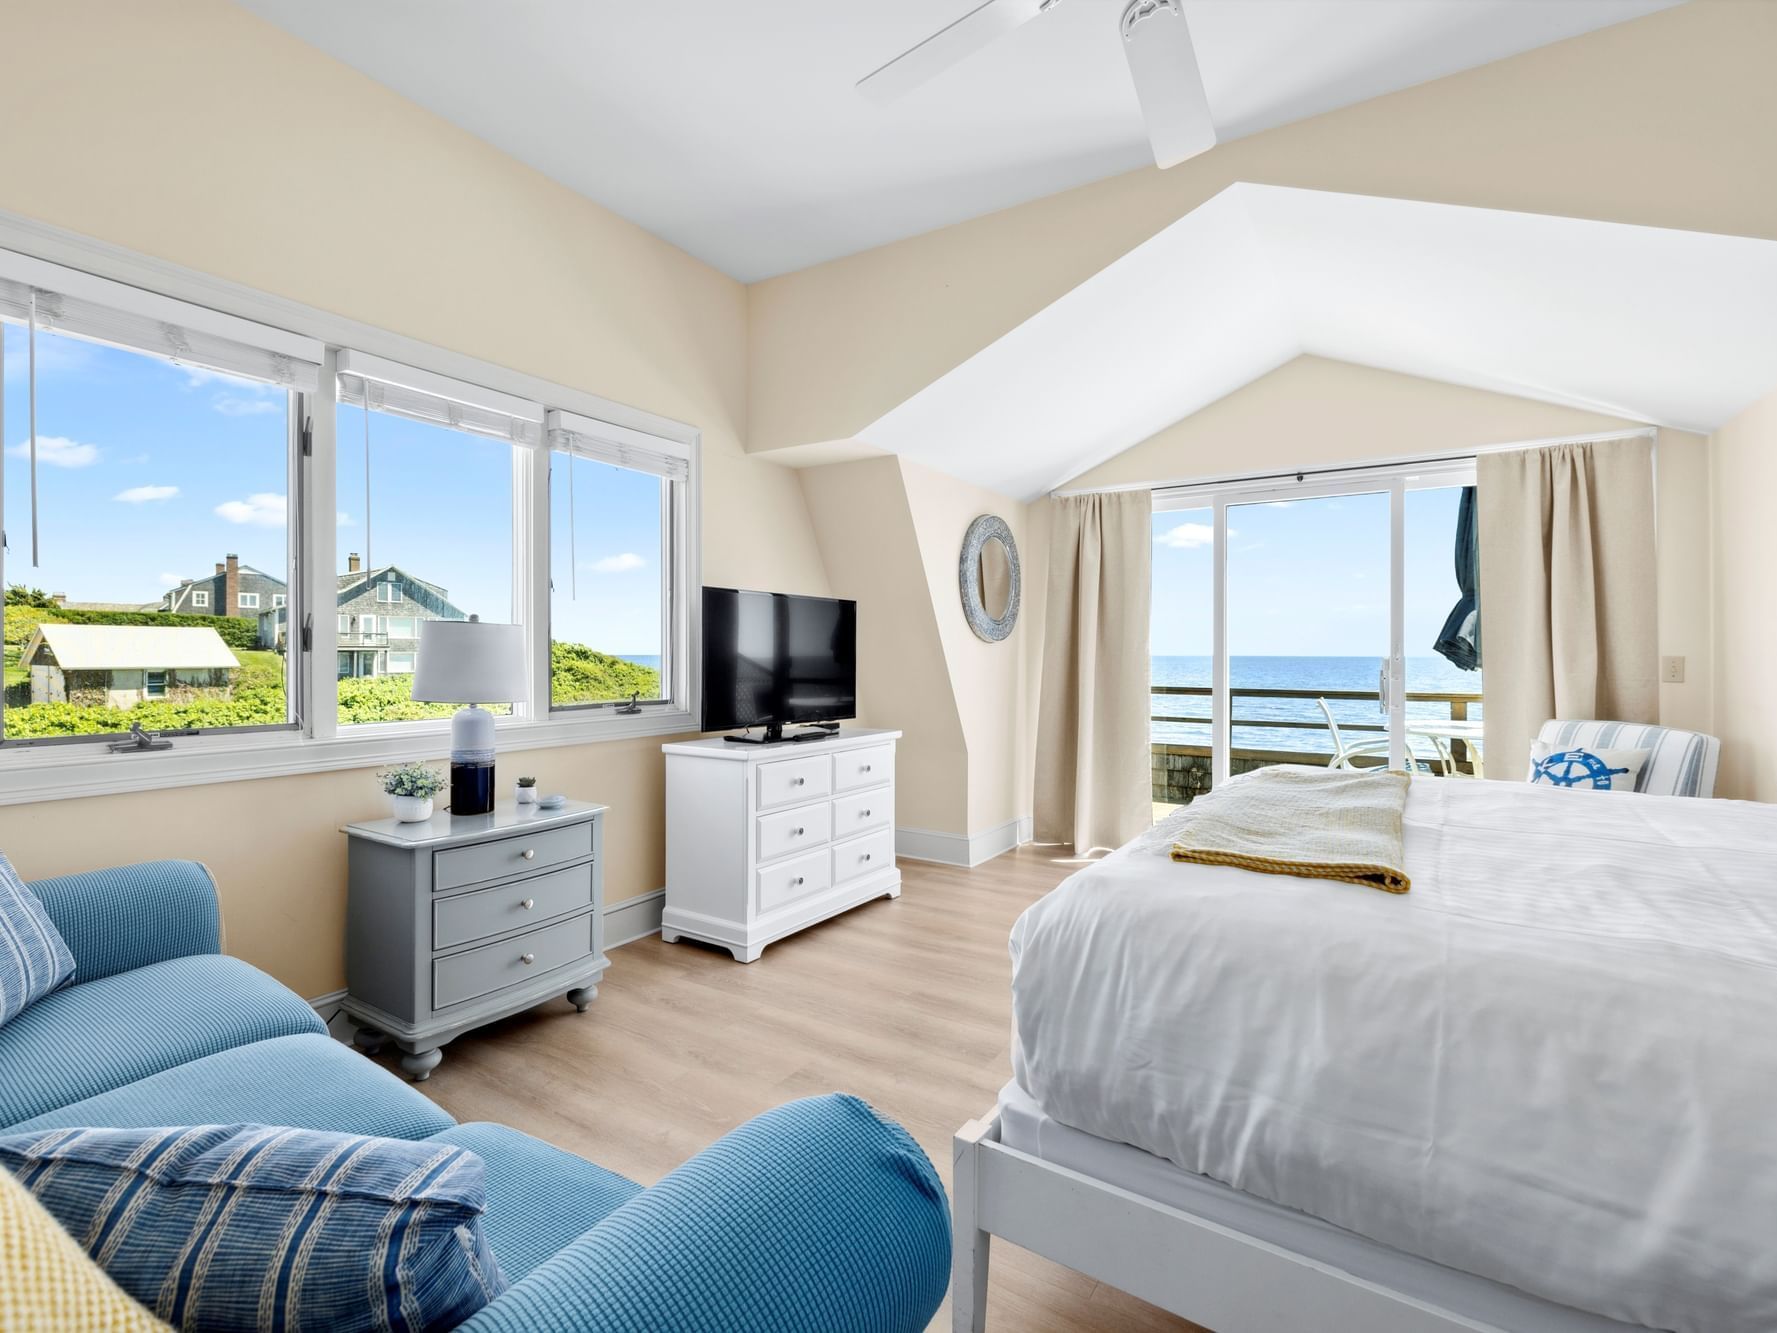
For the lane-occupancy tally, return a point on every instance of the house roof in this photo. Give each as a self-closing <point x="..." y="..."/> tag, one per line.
<point x="131" y="647"/>
<point x="353" y="578"/>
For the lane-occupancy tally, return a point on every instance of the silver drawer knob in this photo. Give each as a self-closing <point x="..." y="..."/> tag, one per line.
<point x="529" y="853"/>
<point x="865" y="815"/>
<point x="865" y="768"/>
<point x="797" y="782"/>
<point x="866" y="856"/>
<point x="797" y="834"/>
<point x="527" y="958"/>
<point x="796" y="883"/>
<point x="527" y="903"/>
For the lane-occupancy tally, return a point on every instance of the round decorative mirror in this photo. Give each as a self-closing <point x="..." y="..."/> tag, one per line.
<point x="989" y="579"/>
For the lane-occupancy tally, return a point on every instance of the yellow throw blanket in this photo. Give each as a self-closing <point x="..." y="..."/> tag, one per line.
<point x="1316" y="823"/>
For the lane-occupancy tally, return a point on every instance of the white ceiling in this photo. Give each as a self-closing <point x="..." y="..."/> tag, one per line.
<point x="1669" y="327"/>
<point x="732" y="128"/>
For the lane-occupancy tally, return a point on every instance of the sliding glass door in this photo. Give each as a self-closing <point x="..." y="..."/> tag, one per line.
<point x="1318" y="620"/>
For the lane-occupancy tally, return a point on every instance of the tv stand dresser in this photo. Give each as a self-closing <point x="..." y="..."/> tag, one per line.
<point x="766" y="840"/>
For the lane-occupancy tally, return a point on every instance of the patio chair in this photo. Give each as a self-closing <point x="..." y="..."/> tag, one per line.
<point x="1345" y="751"/>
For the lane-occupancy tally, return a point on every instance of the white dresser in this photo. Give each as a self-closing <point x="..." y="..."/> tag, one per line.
<point x="764" y="840"/>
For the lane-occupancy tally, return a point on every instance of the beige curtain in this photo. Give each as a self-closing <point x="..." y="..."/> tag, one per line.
<point x="1092" y="779"/>
<point x="1567" y="590"/>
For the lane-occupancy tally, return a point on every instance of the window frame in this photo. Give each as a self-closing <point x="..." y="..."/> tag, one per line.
<point x="200" y="597"/>
<point x="316" y="743"/>
<point x="254" y="604"/>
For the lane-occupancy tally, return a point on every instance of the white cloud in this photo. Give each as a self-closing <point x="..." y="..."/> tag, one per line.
<point x="170" y="580"/>
<point x="262" y="510"/>
<point x="55" y="451"/>
<point x="1190" y="536"/>
<point x="617" y="564"/>
<point x="342" y="519"/>
<point x="136" y="495"/>
<point x="244" y="407"/>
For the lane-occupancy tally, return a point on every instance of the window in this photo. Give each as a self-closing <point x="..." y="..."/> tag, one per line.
<point x="400" y="664"/>
<point x="277" y="601"/>
<point x="149" y="445"/>
<point x="425" y="487"/>
<point x="345" y="624"/>
<point x="401" y="627"/>
<point x="249" y="601"/>
<point x="616" y="501"/>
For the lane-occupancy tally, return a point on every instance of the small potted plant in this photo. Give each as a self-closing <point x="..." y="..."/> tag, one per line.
<point x="412" y="787"/>
<point x="527" y="791"/>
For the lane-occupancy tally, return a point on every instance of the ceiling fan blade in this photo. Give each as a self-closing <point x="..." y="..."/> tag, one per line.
<point x="947" y="46"/>
<point x="1163" y="64"/>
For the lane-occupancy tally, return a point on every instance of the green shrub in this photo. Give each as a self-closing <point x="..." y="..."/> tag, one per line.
<point x="21" y="622"/>
<point x="582" y="675"/>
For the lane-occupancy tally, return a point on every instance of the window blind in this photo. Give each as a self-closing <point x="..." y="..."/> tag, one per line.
<point x="606" y="442"/>
<point x="420" y="395"/>
<point x="68" y="301"/>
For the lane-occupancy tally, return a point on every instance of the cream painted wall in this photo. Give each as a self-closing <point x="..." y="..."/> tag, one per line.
<point x="1669" y="121"/>
<point x="871" y="545"/>
<point x="1312" y="412"/>
<point x="988" y="680"/>
<point x="205" y="136"/>
<point x="1743" y="463"/>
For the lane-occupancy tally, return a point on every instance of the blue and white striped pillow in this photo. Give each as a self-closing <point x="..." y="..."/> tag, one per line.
<point x="253" y="1227"/>
<point x="34" y="959"/>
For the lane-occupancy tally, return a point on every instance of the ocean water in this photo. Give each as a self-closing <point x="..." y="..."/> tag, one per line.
<point x="1298" y="673"/>
<point x="640" y="659"/>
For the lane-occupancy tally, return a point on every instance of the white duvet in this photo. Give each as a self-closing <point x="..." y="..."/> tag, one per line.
<point x="1553" y="1063"/>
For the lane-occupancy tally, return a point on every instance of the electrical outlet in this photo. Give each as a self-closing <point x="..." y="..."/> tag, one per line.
<point x="1672" y="670"/>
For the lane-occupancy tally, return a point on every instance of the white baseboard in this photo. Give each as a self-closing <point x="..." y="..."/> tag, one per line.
<point x="633" y="918"/>
<point x="962" y="849"/>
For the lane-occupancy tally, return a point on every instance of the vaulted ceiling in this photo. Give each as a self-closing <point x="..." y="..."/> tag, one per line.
<point x="734" y="130"/>
<point x="1669" y="327"/>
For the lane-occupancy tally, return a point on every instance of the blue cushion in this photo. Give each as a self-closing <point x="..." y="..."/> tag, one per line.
<point x="816" y="1217"/>
<point x="99" y="1035"/>
<point x="311" y="1081"/>
<point x="219" y="1227"/>
<point x="33" y="958"/>
<point x="538" y="1198"/>
<point x="130" y="916"/>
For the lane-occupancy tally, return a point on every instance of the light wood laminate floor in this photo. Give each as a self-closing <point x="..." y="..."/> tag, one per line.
<point x="905" y="1003"/>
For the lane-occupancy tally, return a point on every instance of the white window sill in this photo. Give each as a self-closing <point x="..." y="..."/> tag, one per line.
<point x="61" y="772"/>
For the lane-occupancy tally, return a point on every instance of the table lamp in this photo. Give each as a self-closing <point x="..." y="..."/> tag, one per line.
<point x="472" y="663"/>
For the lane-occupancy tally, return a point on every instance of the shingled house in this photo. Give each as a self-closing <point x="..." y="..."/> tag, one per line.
<point x="120" y="666"/>
<point x="233" y="590"/>
<point x="380" y="611"/>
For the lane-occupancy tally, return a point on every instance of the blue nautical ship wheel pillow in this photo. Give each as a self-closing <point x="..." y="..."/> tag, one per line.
<point x="1582" y="766"/>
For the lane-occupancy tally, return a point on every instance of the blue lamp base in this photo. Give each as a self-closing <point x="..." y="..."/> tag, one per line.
<point x="472" y="761"/>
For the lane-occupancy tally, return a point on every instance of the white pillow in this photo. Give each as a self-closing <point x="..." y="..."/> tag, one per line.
<point x="1585" y="766"/>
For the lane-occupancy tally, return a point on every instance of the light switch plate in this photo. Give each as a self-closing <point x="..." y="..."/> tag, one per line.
<point x="1672" y="670"/>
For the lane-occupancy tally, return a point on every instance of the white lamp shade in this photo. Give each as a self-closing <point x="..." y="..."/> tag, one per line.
<point x="471" y="662"/>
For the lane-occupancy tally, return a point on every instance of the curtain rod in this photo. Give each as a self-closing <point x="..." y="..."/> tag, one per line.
<point x="1301" y="474"/>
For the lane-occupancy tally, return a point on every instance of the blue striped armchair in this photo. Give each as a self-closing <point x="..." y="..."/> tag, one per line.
<point x="1679" y="763"/>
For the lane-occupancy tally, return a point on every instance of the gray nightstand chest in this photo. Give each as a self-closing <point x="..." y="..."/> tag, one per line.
<point x="457" y="921"/>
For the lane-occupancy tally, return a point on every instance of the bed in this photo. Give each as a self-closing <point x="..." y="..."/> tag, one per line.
<point x="1535" y="1092"/>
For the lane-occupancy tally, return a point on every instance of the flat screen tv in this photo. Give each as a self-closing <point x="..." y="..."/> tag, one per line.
<point x="770" y="659"/>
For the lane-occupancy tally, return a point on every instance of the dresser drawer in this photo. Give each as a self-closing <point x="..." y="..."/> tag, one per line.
<point x="863" y="856"/>
<point x="798" y="877"/>
<point x="788" y="781"/>
<point x="792" y="831"/>
<point x="493" y="967"/>
<point x="862" y="811"/>
<point x="863" y="768"/>
<point x="474" y="916"/>
<point x="521" y="854"/>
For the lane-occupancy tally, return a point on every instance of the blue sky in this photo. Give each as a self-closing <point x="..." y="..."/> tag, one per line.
<point x="149" y="472"/>
<point x="1306" y="578"/>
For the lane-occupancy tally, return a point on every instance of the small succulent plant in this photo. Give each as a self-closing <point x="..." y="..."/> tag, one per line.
<point x="527" y="782"/>
<point x="412" y="780"/>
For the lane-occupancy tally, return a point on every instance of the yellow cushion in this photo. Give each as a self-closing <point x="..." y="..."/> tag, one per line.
<point x="47" y="1283"/>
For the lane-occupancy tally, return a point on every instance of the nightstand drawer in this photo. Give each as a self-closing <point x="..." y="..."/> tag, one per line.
<point x="863" y="856"/>
<point x="863" y="768"/>
<point x="796" y="878"/>
<point x="522" y="854"/>
<point x="791" y="831"/>
<point x="493" y="967"/>
<point x="862" y="811"/>
<point x="784" y="781"/>
<point x="474" y="916"/>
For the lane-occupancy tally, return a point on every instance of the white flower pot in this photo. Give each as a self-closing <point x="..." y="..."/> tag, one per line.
<point x="525" y="795"/>
<point x="412" y="809"/>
